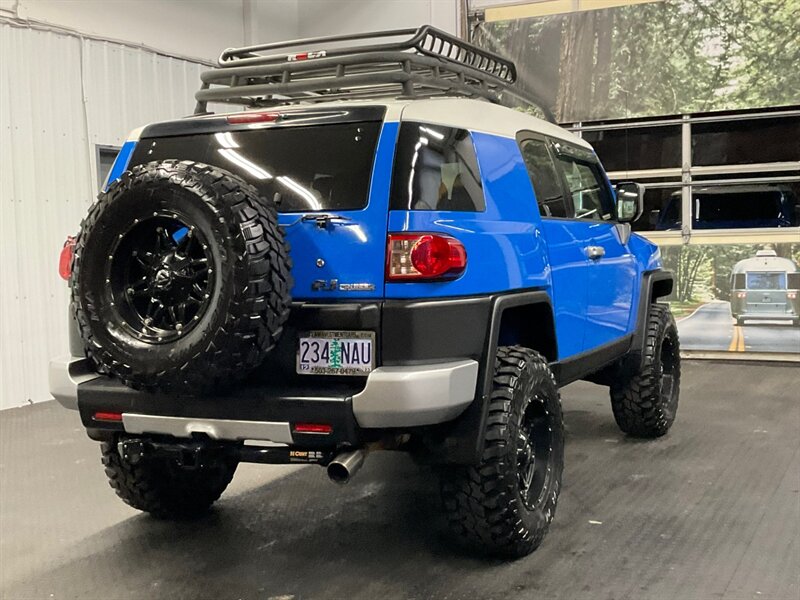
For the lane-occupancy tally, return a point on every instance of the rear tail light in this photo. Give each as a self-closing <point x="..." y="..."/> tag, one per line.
<point x="255" y="117"/>
<point x="107" y="416"/>
<point x="313" y="428"/>
<point x="424" y="256"/>
<point x="791" y="295"/>
<point x="65" y="259"/>
<point x="741" y="294"/>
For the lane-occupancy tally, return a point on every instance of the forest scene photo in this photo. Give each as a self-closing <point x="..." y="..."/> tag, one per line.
<point x="658" y="58"/>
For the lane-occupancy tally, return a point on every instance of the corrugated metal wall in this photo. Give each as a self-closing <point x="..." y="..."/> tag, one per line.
<point x="61" y="95"/>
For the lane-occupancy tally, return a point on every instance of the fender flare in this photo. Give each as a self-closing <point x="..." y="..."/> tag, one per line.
<point x="465" y="440"/>
<point x="655" y="284"/>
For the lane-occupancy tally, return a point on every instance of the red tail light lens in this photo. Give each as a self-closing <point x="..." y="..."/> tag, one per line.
<point x="107" y="416"/>
<point x="312" y="428"/>
<point x="791" y="295"/>
<point x="741" y="294"/>
<point x="424" y="256"/>
<point x="255" y="117"/>
<point x="65" y="259"/>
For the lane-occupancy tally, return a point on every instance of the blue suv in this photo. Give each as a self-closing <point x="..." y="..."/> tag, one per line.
<point x="375" y="255"/>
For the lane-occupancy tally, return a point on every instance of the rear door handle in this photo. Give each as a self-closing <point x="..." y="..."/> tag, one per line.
<point x="595" y="252"/>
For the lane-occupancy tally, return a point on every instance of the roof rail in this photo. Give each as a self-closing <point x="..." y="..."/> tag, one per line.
<point x="430" y="63"/>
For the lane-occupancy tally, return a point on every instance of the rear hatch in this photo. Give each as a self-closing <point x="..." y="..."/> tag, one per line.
<point x="327" y="170"/>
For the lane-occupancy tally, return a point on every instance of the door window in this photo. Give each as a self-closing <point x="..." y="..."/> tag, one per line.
<point x="590" y="197"/>
<point x="544" y="177"/>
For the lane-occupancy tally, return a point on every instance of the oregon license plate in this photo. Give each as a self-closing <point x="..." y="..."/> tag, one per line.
<point x="336" y="353"/>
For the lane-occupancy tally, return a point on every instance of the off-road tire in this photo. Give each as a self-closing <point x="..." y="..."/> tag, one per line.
<point x="483" y="503"/>
<point x="164" y="489"/>
<point x="641" y="404"/>
<point x="249" y="300"/>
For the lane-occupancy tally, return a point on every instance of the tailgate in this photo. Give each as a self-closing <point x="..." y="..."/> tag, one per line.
<point x="329" y="174"/>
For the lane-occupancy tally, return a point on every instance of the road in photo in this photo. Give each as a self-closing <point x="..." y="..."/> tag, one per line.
<point x="711" y="327"/>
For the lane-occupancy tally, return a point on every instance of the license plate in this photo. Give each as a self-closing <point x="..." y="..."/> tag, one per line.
<point x="336" y="353"/>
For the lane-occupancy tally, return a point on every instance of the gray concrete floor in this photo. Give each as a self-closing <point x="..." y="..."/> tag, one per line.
<point x="710" y="511"/>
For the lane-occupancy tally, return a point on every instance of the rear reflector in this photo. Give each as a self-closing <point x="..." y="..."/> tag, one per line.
<point x="424" y="256"/>
<point x="313" y="428"/>
<point x="255" y="117"/>
<point x="65" y="259"/>
<point x="107" y="416"/>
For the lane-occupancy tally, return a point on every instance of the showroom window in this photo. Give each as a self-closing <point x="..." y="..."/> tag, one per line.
<point x="436" y="169"/>
<point x="637" y="148"/>
<point x="104" y="159"/>
<point x="709" y="172"/>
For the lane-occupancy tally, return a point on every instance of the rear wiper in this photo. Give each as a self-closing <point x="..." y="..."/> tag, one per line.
<point x="323" y="219"/>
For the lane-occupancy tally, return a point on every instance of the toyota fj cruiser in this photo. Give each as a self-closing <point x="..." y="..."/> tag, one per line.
<point x="375" y="255"/>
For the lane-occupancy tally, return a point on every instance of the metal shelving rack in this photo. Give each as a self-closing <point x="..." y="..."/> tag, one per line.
<point x="429" y="63"/>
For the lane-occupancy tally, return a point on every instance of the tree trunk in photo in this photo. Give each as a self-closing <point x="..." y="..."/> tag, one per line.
<point x="577" y="64"/>
<point x="602" y="70"/>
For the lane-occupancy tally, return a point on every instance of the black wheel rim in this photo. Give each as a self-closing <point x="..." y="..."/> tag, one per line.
<point x="534" y="453"/>
<point x="160" y="278"/>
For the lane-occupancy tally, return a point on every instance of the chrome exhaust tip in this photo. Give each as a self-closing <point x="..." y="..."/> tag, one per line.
<point x="342" y="468"/>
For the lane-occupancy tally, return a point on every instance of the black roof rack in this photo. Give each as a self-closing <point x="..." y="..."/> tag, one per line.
<point x="429" y="63"/>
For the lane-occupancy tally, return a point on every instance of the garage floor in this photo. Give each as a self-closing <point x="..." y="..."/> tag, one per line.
<point x="710" y="511"/>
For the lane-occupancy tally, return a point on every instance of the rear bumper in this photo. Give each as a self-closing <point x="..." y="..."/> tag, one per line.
<point x="393" y="397"/>
<point x="64" y="376"/>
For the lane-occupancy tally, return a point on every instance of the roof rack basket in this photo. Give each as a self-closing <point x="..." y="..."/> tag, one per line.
<point x="429" y="63"/>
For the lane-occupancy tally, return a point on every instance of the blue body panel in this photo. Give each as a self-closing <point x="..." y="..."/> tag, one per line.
<point x="120" y="163"/>
<point x="505" y="248"/>
<point x="509" y="248"/>
<point x="613" y="288"/>
<point x="353" y="250"/>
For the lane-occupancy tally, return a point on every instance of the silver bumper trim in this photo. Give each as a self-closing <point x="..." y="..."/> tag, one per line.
<point x="64" y="375"/>
<point x="416" y="395"/>
<point x="217" y="429"/>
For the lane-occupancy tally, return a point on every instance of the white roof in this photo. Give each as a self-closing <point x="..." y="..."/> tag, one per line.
<point x="480" y="115"/>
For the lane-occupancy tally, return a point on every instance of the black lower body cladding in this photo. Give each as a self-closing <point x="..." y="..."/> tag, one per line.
<point x="181" y="278"/>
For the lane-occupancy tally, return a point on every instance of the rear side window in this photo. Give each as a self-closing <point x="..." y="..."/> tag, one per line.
<point x="544" y="177"/>
<point x="314" y="168"/>
<point x="435" y="168"/>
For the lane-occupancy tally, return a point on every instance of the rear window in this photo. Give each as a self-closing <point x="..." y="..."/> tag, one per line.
<point x="302" y="169"/>
<point x="766" y="281"/>
<point x="435" y="168"/>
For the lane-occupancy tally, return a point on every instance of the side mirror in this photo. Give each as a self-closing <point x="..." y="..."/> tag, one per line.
<point x="630" y="201"/>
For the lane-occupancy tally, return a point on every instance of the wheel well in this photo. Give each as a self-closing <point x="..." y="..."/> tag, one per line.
<point x="661" y="288"/>
<point x="529" y="325"/>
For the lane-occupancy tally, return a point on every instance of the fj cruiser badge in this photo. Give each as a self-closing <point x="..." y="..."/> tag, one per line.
<point x="323" y="285"/>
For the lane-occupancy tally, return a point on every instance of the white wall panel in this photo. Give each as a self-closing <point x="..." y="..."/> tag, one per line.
<point x="59" y="96"/>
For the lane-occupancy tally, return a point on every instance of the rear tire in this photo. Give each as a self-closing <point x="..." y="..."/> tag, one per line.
<point x="504" y="505"/>
<point x="645" y="403"/>
<point x="181" y="278"/>
<point x="164" y="489"/>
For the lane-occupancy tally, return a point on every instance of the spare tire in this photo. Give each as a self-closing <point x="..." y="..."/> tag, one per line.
<point x="181" y="278"/>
